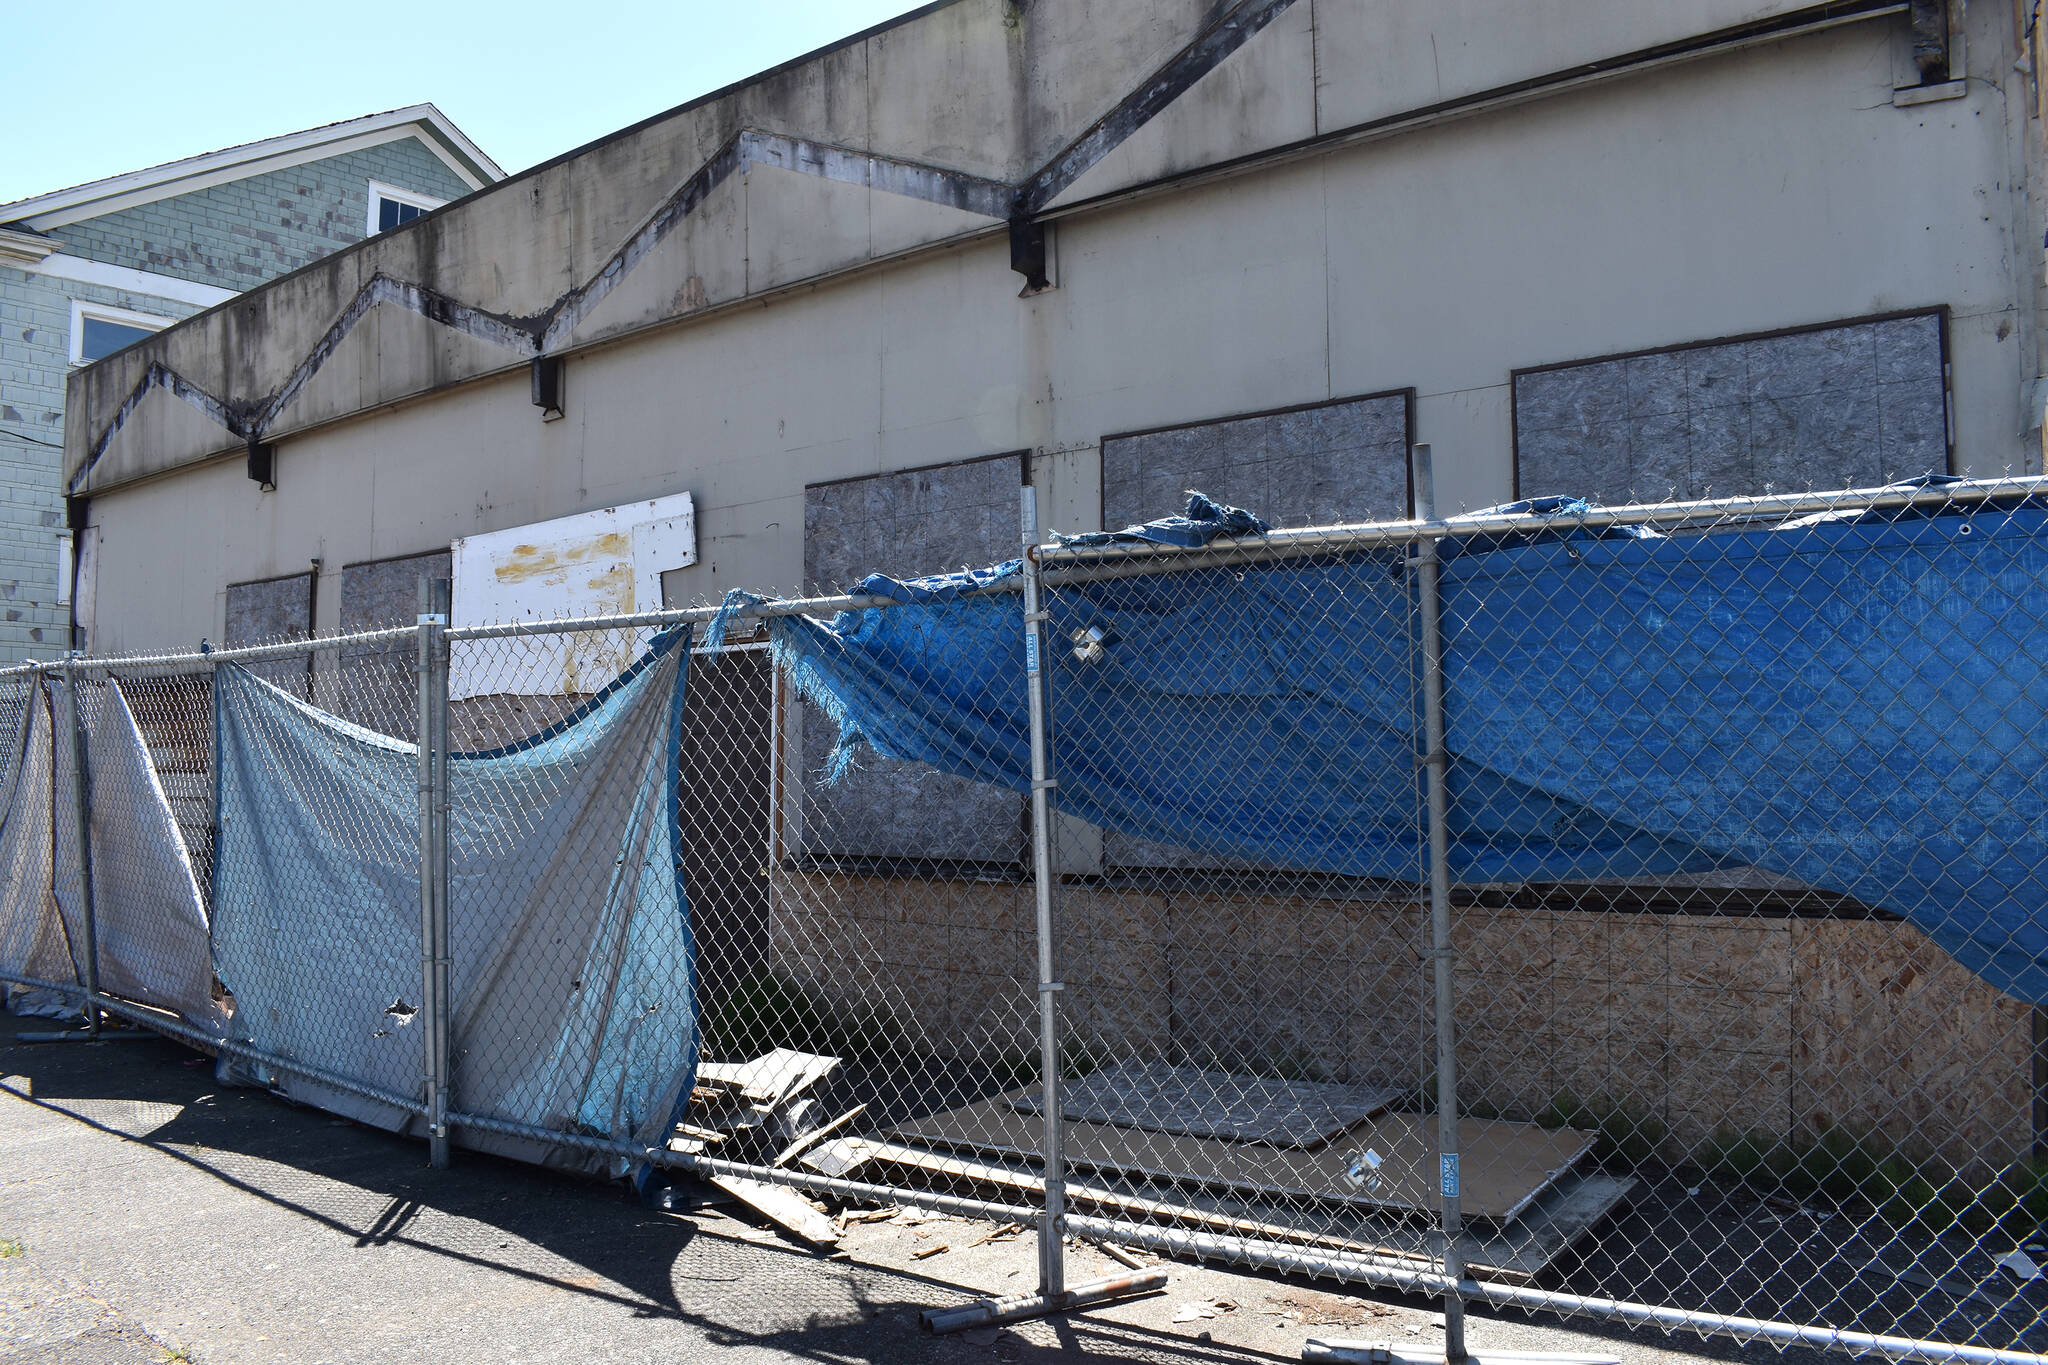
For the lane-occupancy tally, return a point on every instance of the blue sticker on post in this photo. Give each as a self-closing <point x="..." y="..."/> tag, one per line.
<point x="1450" y="1160"/>
<point x="1031" y="649"/>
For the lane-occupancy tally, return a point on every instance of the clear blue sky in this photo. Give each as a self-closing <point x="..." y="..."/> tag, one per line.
<point x="115" y="85"/>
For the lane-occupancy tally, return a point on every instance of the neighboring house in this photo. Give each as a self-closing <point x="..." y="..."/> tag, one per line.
<point x="89" y="270"/>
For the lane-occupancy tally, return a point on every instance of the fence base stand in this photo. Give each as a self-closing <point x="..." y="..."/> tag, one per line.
<point x="989" y="1312"/>
<point x="1382" y="1353"/>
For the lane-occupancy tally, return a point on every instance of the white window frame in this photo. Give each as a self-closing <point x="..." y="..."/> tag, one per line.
<point x="126" y="317"/>
<point x="380" y="191"/>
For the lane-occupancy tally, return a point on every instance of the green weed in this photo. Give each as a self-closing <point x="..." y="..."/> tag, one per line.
<point x="1628" y="1133"/>
<point x="766" y="1011"/>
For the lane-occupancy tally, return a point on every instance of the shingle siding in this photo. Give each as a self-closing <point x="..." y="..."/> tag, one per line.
<point x="35" y="358"/>
<point x="234" y="236"/>
<point x="239" y="234"/>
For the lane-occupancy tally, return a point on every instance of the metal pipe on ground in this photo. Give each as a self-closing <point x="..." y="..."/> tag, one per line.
<point x="1303" y="1261"/>
<point x="991" y="1312"/>
<point x="1383" y="1353"/>
<point x="84" y="1035"/>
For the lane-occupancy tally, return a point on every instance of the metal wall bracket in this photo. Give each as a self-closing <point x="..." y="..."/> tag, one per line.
<point x="263" y="464"/>
<point x="1029" y="257"/>
<point x="548" y="386"/>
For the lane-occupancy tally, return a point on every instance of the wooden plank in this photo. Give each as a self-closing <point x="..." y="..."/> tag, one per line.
<point x="1121" y="1256"/>
<point x="781" y="1207"/>
<point x="1505" y="1165"/>
<point x="816" y="1136"/>
<point x="772" y="1077"/>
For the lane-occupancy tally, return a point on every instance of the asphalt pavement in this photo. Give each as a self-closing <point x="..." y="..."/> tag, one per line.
<point x="148" y="1213"/>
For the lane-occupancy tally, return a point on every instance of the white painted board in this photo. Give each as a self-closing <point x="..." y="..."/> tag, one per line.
<point x="599" y="563"/>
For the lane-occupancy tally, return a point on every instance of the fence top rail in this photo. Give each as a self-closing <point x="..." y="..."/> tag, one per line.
<point x="1314" y="540"/>
<point x="1066" y="562"/>
<point x="285" y="649"/>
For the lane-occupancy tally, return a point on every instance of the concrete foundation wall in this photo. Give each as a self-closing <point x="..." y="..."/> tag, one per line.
<point x="1653" y="210"/>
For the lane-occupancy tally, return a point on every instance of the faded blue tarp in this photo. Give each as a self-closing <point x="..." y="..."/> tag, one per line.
<point x="1853" y="703"/>
<point x="573" y="969"/>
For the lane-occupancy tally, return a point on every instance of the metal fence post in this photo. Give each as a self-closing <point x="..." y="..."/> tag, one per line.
<point x="81" y="814"/>
<point x="1436" y="763"/>
<point x="1052" y="1280"/>
<point x="432" y="669"/>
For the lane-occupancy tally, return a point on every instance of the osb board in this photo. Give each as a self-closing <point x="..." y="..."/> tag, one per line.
<point x="1893" y="1036"/>
<point x="1214" y="1104"/>
<point x="1511" y="1252"/>
<point x="1503" y="1165"/>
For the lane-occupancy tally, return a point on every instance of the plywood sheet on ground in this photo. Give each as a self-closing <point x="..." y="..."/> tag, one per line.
<point x="1213" y="1104"/>
<point x="1504" y="1165"/>
<point x="1514" y="1251"/>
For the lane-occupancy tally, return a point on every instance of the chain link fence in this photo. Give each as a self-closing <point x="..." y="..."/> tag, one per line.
<point x="1629" y="913"/>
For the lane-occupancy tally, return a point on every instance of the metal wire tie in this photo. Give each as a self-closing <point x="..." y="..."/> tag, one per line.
<point x="1046" y="987"/>
<point x="1044" y="784"/>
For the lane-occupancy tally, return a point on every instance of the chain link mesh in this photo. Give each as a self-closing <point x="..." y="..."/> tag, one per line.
<point x="1685" y="1074"/>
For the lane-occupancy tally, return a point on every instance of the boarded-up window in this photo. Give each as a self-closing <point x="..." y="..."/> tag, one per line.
<point x="1849" y="405"/>
<point x="920" y="521"/>
<point x="269" y="611"/>
<point x="1344" y="461"/>
<point x="375" y="685"/>
<point x="1338" y="462"/>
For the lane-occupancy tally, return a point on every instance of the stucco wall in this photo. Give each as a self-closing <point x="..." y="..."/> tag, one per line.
<point x="1654" y="210"/>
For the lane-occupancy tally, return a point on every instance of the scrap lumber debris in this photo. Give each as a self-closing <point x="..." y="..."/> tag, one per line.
<point x="771" y="1078"/>
<point x="781" y="1207"/>
<point x="764" y="1098"/>
<point x="816" y="1135"/>
<point x="1118" y="1254"/>
<point x="881" y="1215"/>
<point x="1313" y="1308"/>
<point x="929" y="1251"/>
<point x="1204" y="1308"/>
<point x="1007" y="1230"/>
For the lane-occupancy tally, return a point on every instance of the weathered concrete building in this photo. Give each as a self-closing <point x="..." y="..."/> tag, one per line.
<point x="1256" y="247"/>
<point x="87" y="270"/>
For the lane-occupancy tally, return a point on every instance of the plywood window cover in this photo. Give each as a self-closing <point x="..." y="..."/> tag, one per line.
<point x="1407" y="397"/>
<point x="1939" y="312"/>
<point x="788" y="842"/>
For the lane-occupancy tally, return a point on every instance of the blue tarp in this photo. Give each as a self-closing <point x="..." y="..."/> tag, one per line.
<point x="1854" y="703"/>
<point x="572" y="957"/>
